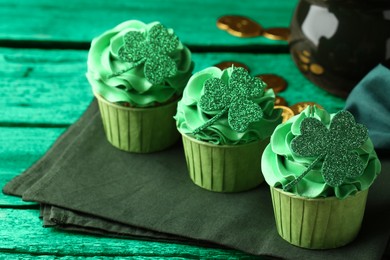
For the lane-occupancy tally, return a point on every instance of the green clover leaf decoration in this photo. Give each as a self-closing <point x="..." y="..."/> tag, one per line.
<point x="236" y="97"/>
<point x="153" y="50"/>
<point x="335" y="146"/>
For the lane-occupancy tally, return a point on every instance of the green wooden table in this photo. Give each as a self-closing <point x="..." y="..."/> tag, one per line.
<point x="43" y="50"/>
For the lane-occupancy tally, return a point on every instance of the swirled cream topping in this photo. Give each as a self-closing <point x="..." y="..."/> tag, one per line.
<point x="192" y="120"/>
<point x="142" y="64"/>
<point x="281" y="165"/>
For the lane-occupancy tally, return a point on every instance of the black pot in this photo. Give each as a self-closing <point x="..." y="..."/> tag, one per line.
<point x="335" y="43"/>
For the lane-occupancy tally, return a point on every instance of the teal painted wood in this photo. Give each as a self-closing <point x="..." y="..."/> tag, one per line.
<point x="11" y="201"/>
<point x="21" y="234"/>
<point x="21" y="147"/>
<point x="10" y="256"/>
<point x="48" y="87"/>
<point x="194" y="21"/>
<point x="41" y="87"/>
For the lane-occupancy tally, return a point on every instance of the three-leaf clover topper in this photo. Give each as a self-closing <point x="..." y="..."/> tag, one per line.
<point x="336" y="146"/>
<point x="152" y="49"/>
<point x="236" y="97"/>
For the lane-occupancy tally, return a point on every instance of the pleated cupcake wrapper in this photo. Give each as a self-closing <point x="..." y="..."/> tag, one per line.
<point x="139" y="130"/>
<point x="224" y="168"/>
<point x="321" y="223"/>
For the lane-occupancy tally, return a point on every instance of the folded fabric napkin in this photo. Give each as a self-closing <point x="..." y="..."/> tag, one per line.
<point x="369" y="102"/>
<point x="86" y="184"/>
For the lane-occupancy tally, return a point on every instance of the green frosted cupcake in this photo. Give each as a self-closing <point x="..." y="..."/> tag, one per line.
<point x="319" y="167"/>
<point x="226" y="118"/>
<point x="138" y="72"/>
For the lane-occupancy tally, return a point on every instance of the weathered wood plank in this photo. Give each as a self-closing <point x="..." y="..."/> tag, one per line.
<point x="19" y="226"/>
<point x="11" y="201"/>
<point x="10" y="256"/>
<point x="43" y="87"/>
<point x="194" y="21"/>
<point x="19" y="149"/>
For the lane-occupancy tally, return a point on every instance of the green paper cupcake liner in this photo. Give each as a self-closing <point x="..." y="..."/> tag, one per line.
<point x="224" y="168"/>
<point x="139" y="130"/>
<point x="320" y="223"/>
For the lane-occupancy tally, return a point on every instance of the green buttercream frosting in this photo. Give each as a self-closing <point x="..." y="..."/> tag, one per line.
<point x="280" y="165"/>
<point x="109" y="73"/>
<point x="190" y="117"/>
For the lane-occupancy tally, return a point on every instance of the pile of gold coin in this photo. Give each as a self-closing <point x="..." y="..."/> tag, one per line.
<point x="278" y="84"/>
<point x="241" y="26"/>
<point x="305" y="63"/>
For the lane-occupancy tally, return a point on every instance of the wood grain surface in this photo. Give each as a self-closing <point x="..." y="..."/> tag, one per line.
<point x="21" y="233"/>
<point x="43" y="51"/>
<point x="77" y="22"/>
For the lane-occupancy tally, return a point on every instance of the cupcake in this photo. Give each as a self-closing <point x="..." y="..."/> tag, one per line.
<point x="225" y="118"/>
<point x="319" y="167"/>
<point x="138" y="72"/>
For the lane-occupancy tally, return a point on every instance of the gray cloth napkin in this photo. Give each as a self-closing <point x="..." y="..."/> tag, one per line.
<point x="86" y="184"/>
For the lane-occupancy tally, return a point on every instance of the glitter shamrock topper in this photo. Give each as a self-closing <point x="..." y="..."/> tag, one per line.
<point x="152" y="49"/>
<point x="236" y="97"/>
<point x="334" y="145"/>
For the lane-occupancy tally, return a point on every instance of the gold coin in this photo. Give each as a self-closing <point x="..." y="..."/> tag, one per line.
<point x="303" y="58"/>
<point x="299" y="107"/>
<point x="306" y="53"/>
<point x="282" y="34"/>
<point x="303" y="67"/>
<point x="277" y="83"/>
<point x="287" y="113"/>
<point x="239" y="26"/>
<point x="227" y="64"/>
<point x="279" y="101"/>
<point x="316" y="69"/>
